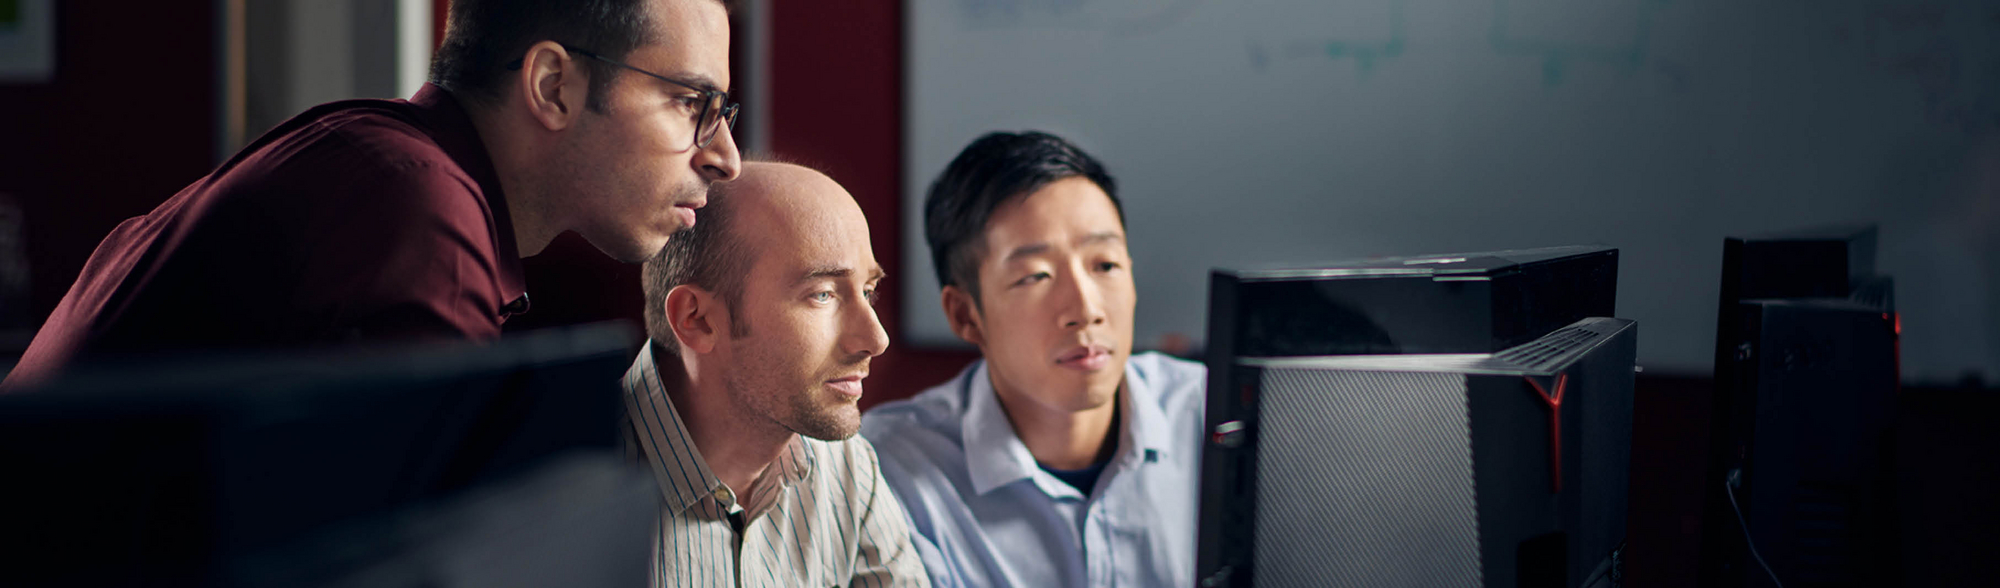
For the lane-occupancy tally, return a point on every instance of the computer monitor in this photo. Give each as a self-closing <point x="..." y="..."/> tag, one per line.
<point x="1449" y="303"/>
<point x="1485" y="458"/>
<point x="1806" y="378"/>
<point x="180" y="473"/>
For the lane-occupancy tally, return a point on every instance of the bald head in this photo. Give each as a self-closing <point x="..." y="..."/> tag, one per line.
<point x="785" y="185"/>
<point x="772" y="208"/>
<point x="786" y="201"/>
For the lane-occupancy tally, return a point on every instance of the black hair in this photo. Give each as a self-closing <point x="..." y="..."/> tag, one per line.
<point x="482" y="37"/>
<point x="993" y="170"/>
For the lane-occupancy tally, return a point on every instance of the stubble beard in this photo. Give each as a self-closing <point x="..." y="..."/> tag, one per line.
<point x="802" y="410"/>
<point x="822" y="422"/>
<point x="638" y="247"/>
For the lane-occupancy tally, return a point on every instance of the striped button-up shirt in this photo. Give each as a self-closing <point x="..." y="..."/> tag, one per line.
<point x="819" y="516"/>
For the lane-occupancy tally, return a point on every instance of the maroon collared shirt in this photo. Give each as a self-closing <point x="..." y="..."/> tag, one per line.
<point x="356" y="221"/>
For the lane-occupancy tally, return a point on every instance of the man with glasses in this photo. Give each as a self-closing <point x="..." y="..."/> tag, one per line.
<point x="370" y="220"/>
<point x="743" y="401"/>
<point x="1060" y="458"/>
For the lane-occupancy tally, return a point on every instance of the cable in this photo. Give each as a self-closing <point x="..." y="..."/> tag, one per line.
<point x="1730" y="489"/>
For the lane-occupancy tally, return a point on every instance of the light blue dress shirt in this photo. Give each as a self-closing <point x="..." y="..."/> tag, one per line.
<point x="985" y="514"/>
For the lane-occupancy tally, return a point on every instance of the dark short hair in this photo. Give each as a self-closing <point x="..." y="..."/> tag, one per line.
<point x="707" y="255"/>
<point x="993" y="170"/>
<point x="482" y="36"/>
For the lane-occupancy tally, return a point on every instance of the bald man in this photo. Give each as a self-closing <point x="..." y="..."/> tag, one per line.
<point x="743" y="400"/>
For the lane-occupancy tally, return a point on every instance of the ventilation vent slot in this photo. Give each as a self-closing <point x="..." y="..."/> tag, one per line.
<point x="1551" y="349"/>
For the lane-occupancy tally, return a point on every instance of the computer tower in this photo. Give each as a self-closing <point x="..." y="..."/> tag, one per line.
<point x="1467" y="469"/>
<point x="1799" y="488"/>
<point x="1451" y="303"/>
<point x="1419" y="395"/>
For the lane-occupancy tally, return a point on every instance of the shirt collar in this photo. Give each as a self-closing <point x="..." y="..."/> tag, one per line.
<point x="797" y="463"/>
<point x="1148" y="433"/>
<point x="454" y="132"/>
<point x="682" y="473"/>
<point x="995" y="455"/>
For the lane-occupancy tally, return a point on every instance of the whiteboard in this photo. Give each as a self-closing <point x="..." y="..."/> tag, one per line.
<point x="1252" y="132"/>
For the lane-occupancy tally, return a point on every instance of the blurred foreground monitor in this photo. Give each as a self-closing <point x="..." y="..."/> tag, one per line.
<point x="434" y="465"/>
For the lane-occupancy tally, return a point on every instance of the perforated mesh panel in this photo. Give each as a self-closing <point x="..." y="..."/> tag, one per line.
<point x="1365" y="479"/>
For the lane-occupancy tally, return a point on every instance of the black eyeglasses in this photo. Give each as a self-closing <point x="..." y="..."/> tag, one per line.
<point x="716" y="109"/>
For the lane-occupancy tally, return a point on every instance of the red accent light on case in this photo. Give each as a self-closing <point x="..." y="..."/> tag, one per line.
<point x="1554" y="402"/>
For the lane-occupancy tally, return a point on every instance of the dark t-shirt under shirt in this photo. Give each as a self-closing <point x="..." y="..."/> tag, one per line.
<point x="1083" y="480"/>
<point x="356" y="221"/>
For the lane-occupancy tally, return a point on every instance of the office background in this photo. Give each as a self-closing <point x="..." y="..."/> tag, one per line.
<point x="1274" y="131"/>
<point x="1658" y="126"/>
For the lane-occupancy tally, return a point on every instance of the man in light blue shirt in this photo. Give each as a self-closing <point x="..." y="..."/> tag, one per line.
<point x="1058" y="459"/>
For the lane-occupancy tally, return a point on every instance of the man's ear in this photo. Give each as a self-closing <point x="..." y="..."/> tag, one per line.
<point x="697" y="317"/>
<point x="963" y="314"/>
<point x="553" y="85"/>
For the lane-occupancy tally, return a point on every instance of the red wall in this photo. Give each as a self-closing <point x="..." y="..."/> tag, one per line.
<point x="128" y="120"/>
<point x="837" y="103"/>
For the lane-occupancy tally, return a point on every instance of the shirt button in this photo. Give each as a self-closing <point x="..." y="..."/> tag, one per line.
<point x="723" y="495"/>
<point x="518" y="307"/>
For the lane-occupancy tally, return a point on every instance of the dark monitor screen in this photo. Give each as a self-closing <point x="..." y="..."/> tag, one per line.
<point x="168" y="472"/>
